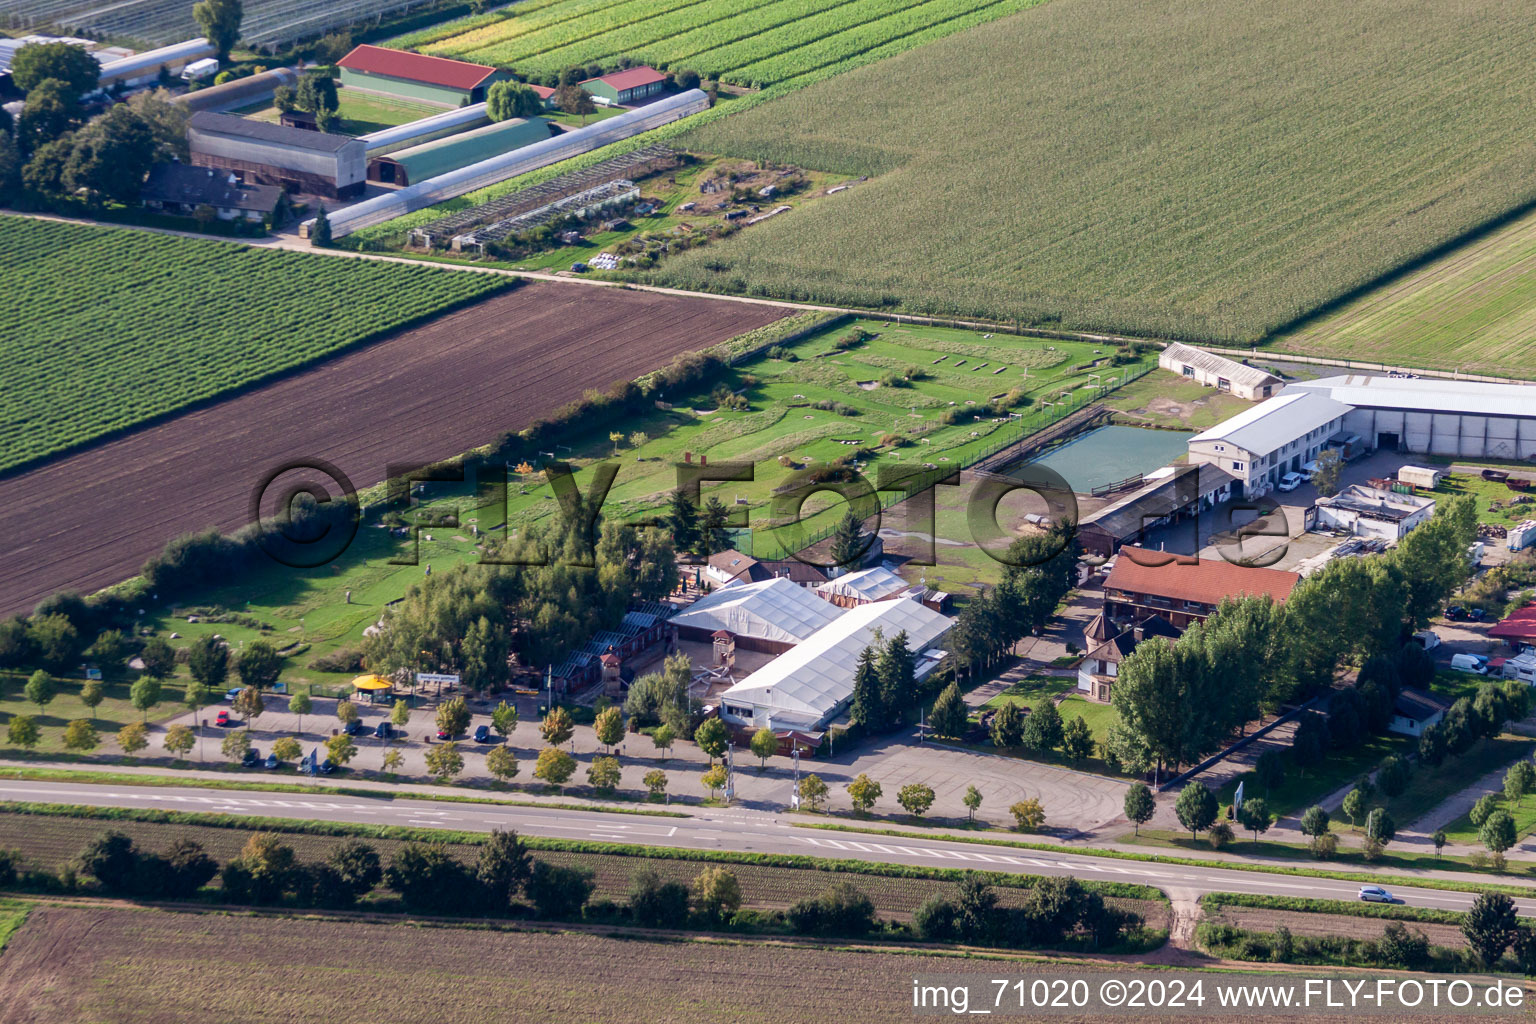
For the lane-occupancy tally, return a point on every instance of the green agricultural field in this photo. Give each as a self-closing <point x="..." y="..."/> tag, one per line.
<point x="1207" y="170"/>
<point x="1472" y="310"/>
<point x="744" y="42"/>
<point x="104" y="329"/>
<point x="358" y="112"/>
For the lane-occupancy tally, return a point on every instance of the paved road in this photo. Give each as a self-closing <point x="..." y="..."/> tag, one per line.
<point x="735" y="830"/>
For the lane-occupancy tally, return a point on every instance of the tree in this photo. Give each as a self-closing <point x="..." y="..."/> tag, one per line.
<point x="1043" y="728"/>
<point x="340" y="749"/>
<point x="316" y="93"/>
<point x="1269" y="770"/>
<point x="1379" y="826"/>
<point x="10" y="192"/>
<point x="453" y="716"/>
<point x="504" y="867"/>
<point x="848" y="541"/>
<point x="1498" y="832"/>
<point x="159" y="658"/>
<point x="110" y="653"/>
<point x="501" y="762"/>
<point x="1255" y="816"/>
<point x="40" y="689"/>
<point x="1354" y="805"/>
<point x="718" y="891"/>
<point x="813" y="791"/>
<point x="42" y="135"/>
<point x="235" y="744"/>
<point x="393" y="759"/>
<point x="145" y="694"/>
<point x="1007" y="727"/>
<point x="357" y="867"/>
<point x="866" y="707"/>
<point x="662" y="738"/>
<point x="1196" y="808"/>
<point x="300" y="704"/>
<point x="81" y="735"/>
<point x="1028" y="815"/>
<point x="656" y="903"/>
<point x="573" y="99"/>
<point x="1393" y="775"/>
<point x="1486" y="805"/>
<point x="604" y="774"/>
<point x="1330" y="467"/>
<point x="949" y="716"/>
<point x="429" y="879"/>
<point x="1490" y="926"/>
<point x="444" y="761"/>
<point x="208" y="660"/>
<point x="915" y="798"/>
<point x="346" y="711"/>
<point x="250" y="705"/>
<point x="972" y="801"/>
<point x="714" y="521"/>
<point x="503" y="718"/>
<point x="1139" y="804"/>
<point x="1077" y="740"/>
<point x="1314" y="822"/>
<point x="22" y="731"/>
<point x="167" y="123"/>
<point x="133" y="738"/>
<point x="179" y="741"/>
<point x="764" y="745"/>
<point x="863" y="791"/>
<point x="682" y="517"/>
<point x="219" y="21"/>
<point x="1519" y="780"/>
<point x="685" y="79"/>
<point x="259" y="665"/>
<point x="1431" y="748"/>
<point x="656" y="781"/>
<point x="609" y="727"/>
<point x="506" y="100"/>
<point x="320" y="230"/>
<point x="554" y="766"/>
<point x="557" y="727"/>
<point x="712" y="738"/>
<point x="400" y="714"/>
<point x="714" y="779"/>
<point x="1439" y="839"/>
<point x="111" y="156"/>
<point x="70" y="65"/>
<point x="840" y="909"/>
<point x="286" y="748"/>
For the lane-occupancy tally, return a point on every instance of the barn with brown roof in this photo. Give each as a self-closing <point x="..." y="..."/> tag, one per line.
<point x="1184" y="590"/>
<point x="416" y="76"/>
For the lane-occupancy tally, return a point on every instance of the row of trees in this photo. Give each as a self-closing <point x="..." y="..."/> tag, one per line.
<point x="1057" y="911"/>
<point x="1038" y="576"/>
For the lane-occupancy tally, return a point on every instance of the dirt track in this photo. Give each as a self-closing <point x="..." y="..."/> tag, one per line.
<point x="92" y="519"/>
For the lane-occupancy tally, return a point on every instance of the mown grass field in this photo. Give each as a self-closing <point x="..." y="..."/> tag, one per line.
<point x="103" y="329"/>
<point x="1193" y="169"/>
<point x="744" y="42"/>
<point x="1472" y="310"/>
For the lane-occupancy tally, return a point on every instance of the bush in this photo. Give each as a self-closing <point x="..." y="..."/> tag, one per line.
<point x="346" y="659"/>
<point x="655" y="903"/>
<point x="1219" y="835"/>
<point x="558" y="892"/>
<point x="934" y="920"/>
<point x="841" y="910"/>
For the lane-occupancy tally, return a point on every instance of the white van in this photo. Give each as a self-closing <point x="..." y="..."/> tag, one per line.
<point x="1470" y="663"/>
<point x="1427" y="638"/>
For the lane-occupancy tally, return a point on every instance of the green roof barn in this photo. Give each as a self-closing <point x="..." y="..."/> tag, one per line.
<point x="418" y="163"/>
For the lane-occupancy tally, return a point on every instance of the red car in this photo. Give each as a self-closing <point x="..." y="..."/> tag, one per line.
<point x="222" y="721"/>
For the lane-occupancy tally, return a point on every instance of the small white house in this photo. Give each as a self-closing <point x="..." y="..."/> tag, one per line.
<point x="1414" y="711"/>
<point x="1219" y="372"/>
<point x="1371" y="512"/>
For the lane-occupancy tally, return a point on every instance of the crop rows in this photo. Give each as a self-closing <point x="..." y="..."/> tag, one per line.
<point x="664" y="52"/>
<point x="104" y="329"/>
<point x="610" y="44"/>
<point x="274" y="22"/>
<point x="597" y="25"/>
<point x="487" y="39"/>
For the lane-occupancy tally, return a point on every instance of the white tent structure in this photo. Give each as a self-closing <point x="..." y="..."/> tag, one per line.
<point x="776" y="611"/>
<point x="813" y="682"/>
<point x="865" y="585"/>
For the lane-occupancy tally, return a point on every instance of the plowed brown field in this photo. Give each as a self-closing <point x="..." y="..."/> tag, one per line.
<point x="429" y="393"/>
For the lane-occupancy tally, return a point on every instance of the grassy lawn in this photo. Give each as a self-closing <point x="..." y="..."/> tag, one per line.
<point x="1486" y="757"/>
<point x="575" y="120"/>
<point x="1165" y="399"/>
<point x="1098" y="716"/>
<point x="1032" y="690"/>
<point x="1486" y="493"/>
<point x="362" y="112"/>
<point x="1296" y="792"/>
<point x="108" y="717"/>
<point x="1037" y="688"/>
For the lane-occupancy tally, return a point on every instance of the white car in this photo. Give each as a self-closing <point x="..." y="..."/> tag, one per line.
<point x="1291" y="481"/>
<point x="1376" y="894"/>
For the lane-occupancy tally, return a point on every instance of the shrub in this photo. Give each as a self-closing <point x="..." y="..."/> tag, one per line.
<point x="1219" y="835"/>
<point x="934" y="920"/>
<point x="842" y="910"/>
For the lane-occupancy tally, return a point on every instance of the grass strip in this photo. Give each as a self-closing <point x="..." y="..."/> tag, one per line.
<point x="13" y="914"/>
<point x="1216" y="900"/>
<point x="1153" y="858"/>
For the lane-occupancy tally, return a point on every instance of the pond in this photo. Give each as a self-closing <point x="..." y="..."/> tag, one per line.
<point x="1108" y="454"/>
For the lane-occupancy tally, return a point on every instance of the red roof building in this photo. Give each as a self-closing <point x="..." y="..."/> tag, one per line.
<point x="1184" y="591"/>
<point x="417" y="76"/>
<point x="1519" y="627"/>
<point x="626" y="86"/>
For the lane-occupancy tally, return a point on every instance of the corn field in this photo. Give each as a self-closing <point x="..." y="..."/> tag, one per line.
<point x="1204" y="170"/>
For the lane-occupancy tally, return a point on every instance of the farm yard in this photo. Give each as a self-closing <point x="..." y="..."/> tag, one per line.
<point x="105" y="329"/>
<point x="1143" y="195"/>
<point x="267" y="23"/>
<point x="358" y="112"/>
<point x="1472" y="310"/>
<point x="91" y="519"/>
<point x="753" y="43"/>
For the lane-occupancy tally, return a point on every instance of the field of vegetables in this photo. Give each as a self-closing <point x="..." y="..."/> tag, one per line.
<point x="266" y="22"/>
<point x="743" y="42"/>
<point x="103" y="329"/>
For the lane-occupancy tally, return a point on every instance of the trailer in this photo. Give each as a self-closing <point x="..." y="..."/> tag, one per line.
<point x="1522" y="536"/>
<point x="1420" y="476"/>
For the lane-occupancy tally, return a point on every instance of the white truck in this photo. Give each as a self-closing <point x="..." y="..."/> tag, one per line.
<point x="200" y="69"/>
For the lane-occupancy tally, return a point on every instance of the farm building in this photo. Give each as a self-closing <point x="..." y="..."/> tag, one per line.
<point x="1166" y="496"/>
<point x="1260" y="445"/>
<point x="439" y="156"/>
<point x="242" y="92"/>
<point x="144" y="68"/>
<point x="545" y="93"/>
<point x="270" y="154"/>
<point x="414" y="133"/>
<point x="1471" y="419"/>
<point x="771" y="616"/>
<point x="864" y="586"/>
<point x="417" y="76"/>
<point x="1370" y="512"/>
<point x="812" y="684"/>
<point x="1414" y="710"/>
<point x="182" y="188"/>
<point x="1144" y="583"/>
<point x="1219" y="372"/>
<point x="629" y="86"/>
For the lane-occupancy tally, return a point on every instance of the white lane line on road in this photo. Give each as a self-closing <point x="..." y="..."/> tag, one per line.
<point x="604" y="835"/>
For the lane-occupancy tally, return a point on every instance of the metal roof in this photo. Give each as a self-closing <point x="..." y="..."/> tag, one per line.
<point x="266" y="131"/>
<point x="1134" y="512"/>
<point x="1276" y="422"/>
<point x="439" y="156"/>
<point x="415" y="67"/>
<point x="872" y="584"/>
<point x="1477" y="398"/>
<point x="1238" y="373"/>
<point x="1206" y="581"/>
<point x="401" y="136"/>
<point x="631" y="78"/>
<point x="810" y="681"/>
<point x="774" y="609"/>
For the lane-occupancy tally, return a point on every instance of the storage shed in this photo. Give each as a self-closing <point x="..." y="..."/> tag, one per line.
<point x="628" y="86"/>
<point x="1219" y="372"/>
<point x="439" y="156"/>
<point x="269" y="154"/>
<point x="1419" y="476"/>
<point x="416" y="76"/>
<point x="241" y="92"/>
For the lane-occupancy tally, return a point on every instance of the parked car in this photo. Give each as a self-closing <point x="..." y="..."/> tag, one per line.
<point x="483" y="734"/>
<point x="1376" y="894"/>
<point x="1477" y="663"/>
<point x="1291" y="481"/>
<point x="1476" y="614"/>
<point x="252" y="758"/>
<point x="1455" y="613"/>
<point x="222" y="720"/>
<point x="327" y="766"/>
<point x="231" y="693"/>
<point x="578" y="268"/>
<point x="353" y="727"/>
<point x="271" y="762"/>
<point x="385" y="731"/>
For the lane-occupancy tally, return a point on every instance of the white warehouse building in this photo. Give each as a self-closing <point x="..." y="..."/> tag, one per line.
<point x="1472" y="419"/>
<point x="1260" y="445"/>
<point x="1219" y="372"/>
